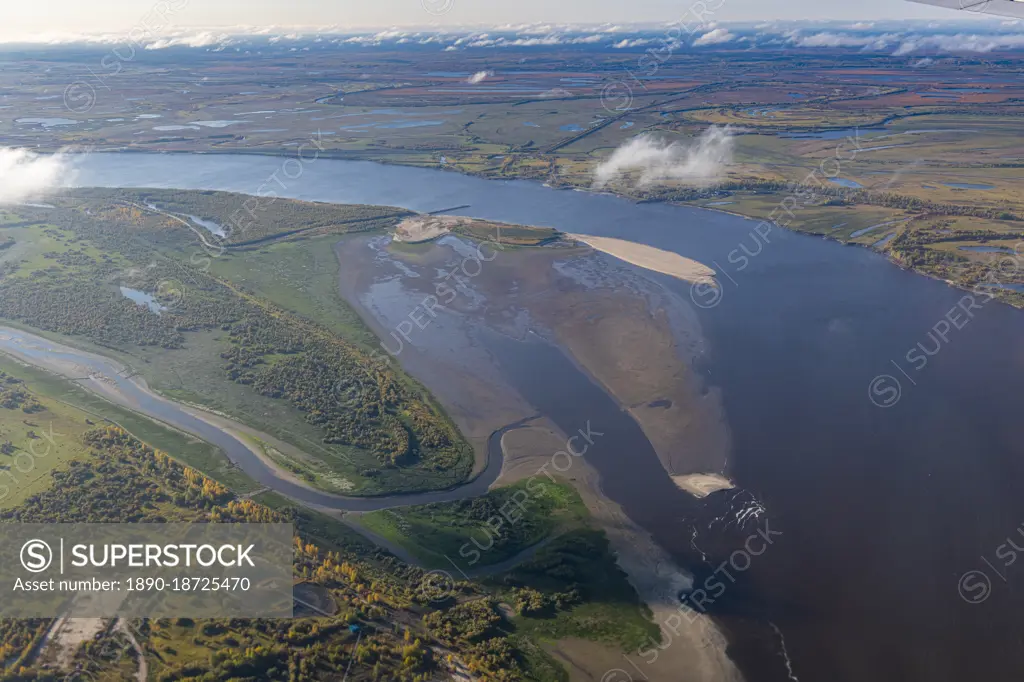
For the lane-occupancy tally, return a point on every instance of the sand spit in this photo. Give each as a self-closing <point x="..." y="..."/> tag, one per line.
<point x="648" y="257"/>
<point x="702" y="485"/>
<point x="419" y="229"/>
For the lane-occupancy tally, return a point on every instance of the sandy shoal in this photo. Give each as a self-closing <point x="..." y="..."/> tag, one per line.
<point x="649" y="257"/>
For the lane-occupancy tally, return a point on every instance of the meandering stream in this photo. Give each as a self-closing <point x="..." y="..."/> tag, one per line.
<point x="112" y="380"/>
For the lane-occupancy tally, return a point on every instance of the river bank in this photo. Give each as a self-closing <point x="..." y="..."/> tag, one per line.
<point x="776" y="203"/>
<point x="791" y="348"/>
<point x="650" y="570"/>
<point x="239" y="442"/>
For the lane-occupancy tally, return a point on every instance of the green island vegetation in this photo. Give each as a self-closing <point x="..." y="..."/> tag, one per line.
<point x="510" y="235"/>
<point x="485" y="530"/>
<point x="389" y="621"/>
<point x="248" y="221"/>
<point x="299" y="365"/>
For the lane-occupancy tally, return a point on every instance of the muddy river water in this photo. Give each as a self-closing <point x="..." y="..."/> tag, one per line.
<point x="891" y="485"/>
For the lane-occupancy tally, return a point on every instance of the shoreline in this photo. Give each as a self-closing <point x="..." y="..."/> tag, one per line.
<point x="352" y="157"/>
<point x="692" y="642"/>
<point x="237" y="431"/>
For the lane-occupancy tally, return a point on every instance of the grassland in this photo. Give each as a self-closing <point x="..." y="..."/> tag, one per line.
<point x="249" y="333"/>
<point x="34" y="444"/>
<point x="300" y="275"/>
<point x="506" y="235"/>
<point x="69" y="412"/>
<point x="598" y="603"/>
<point x="566" y="582"/>
<point x="483" y="531"/>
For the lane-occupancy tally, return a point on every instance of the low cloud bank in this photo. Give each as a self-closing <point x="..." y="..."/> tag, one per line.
<point x="715" y="37"/>
<point x="701" y="161"/>
<point x="479" y="77"/>
<point x="25" y="175"/>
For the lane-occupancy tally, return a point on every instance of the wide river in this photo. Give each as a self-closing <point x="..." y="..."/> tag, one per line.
<point x="882" y="509"/>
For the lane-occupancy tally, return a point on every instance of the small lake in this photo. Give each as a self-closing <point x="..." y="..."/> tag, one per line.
<point x="987" y="249"/>
<point x="212" y="227"/>
<point x="968" y="185"/>
<point x="834" y="134"/>
<point x="47" y="122"/>
<point x="218" y="124"/>
<point x="1012" y="287"/>
<point x="143" y="299"/>
<point x="884" y="240"/>
<point x="843" y="182"/>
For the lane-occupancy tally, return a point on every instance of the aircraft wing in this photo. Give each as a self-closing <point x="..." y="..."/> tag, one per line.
<point x="1003" y="8"/>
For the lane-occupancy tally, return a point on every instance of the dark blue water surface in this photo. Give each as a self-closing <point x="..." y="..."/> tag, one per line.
<point x="882" y="509"/>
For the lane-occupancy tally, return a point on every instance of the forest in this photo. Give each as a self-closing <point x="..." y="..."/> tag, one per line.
<point x="106" y="243"/>
<point x="247" y="220"/>
<point x="390" y="622"/>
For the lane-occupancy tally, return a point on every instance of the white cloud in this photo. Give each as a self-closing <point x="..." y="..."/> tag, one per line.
<point x="714" y="37"/>
<point x="700" y="162"/>
<point x="830" y="39"/>
<point x="479" y="77"/>
<point x="25" y="175"/>
<point x="960" y="42"/>
<point x="899" y="37"/>
<point x="907" y="42"/>
<point x="203" y="39"/>
<point x="627" y="43"/>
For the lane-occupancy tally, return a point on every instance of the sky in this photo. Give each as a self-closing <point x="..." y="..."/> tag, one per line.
<point x="42" y="17"/>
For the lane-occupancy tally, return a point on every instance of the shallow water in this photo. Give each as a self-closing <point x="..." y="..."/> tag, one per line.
<point x="835" y="134"/>
<point x="47" y="122"/>
<point x="142" y="298"/>
<point x="882" y="509"/>
<point x="987" y="249"/>
<point x="845" y="183"/>
<point x="209" y="225"/>
<point x="968" y="185"/>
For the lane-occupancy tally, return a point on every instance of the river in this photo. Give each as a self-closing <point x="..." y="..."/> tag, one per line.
<point x="881" y="510"/>
<point x="101" y="374"/>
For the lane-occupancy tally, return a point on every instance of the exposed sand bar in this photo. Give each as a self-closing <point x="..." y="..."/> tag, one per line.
<point x="425" y="228"/>
<point x="648" y="257"/>
<point x="690" y="641"/>
<point x="702" y="485"/>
